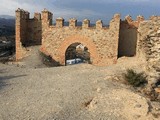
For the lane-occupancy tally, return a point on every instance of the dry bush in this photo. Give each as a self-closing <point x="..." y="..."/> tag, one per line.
<point x="135" y="79"/>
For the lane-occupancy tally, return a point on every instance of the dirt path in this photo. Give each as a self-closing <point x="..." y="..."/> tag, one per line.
<point x="81" y="92"/>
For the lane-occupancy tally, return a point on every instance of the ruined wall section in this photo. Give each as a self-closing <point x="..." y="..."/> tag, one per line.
<point x="34" y="30"/>
<point x="21" y="28"/>
<point x="113" y="39"/>
<point x="104" y="40"/>
<point x="128" y="36"/>
<point x="28" y="31"/>
<point x="149" y="46"/>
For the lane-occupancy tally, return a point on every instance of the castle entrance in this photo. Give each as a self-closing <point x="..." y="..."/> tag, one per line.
<point x="77" y="53"/>
<point x="77" y="47"/>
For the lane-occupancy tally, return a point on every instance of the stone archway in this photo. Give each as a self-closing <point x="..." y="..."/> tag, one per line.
<point x="78" y="39"/>
<point x="77" y="53"/>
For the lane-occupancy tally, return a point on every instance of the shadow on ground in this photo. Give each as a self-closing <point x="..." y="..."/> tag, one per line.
<point x="3" y="79"/>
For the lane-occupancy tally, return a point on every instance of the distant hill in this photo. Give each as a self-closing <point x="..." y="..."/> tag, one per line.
<point x="7" y="17"/>
<point x="7" y="37"/>
<point x="66" y="23"/>
<point x="7" y="22"/>
<point x="7" y="25"/>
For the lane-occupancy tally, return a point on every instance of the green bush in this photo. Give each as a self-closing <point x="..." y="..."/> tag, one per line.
<point x="135" y="79"/>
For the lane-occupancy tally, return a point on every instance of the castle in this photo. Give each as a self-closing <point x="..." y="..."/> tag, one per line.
<point x="139" y="38"/>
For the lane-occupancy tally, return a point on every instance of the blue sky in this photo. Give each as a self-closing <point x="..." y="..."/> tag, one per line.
<point x="80" y="9"/>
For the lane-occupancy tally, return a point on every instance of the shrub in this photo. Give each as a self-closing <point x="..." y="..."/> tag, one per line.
<point x="135" y="79"/>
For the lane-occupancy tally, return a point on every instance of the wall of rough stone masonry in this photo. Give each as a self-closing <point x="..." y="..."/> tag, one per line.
<point x="34" y="29"/>
<point x="148" y="47"/>
<point x="101" y="42"/>
<point x="28" y="31"/>
<point x="128" y="36"/>
<point x="46" y="22"/>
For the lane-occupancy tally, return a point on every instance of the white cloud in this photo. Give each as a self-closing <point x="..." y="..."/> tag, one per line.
<point x="9" y="6"/>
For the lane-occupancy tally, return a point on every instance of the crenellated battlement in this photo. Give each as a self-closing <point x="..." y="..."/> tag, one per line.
<point x="25" y="15"/>
<point x="73" y="24"/>
<point x="140" y="18"/>
<point x="59" y="23"/>
<point x="47" y="18"/>
<point x="129" y="19"/>
<point x="22" y="14"/>
<point x="154" y="17"/>
<point x="129" y="22"/>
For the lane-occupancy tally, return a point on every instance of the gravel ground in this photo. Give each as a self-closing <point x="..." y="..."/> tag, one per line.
<point x="77" y="92"/>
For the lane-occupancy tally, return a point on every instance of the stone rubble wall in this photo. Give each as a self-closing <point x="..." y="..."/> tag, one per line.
<point x="148" y="47"/>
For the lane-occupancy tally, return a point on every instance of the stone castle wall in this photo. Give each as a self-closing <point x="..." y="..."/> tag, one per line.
<point x="101" y="42"/>
<point x="138" y="38"/>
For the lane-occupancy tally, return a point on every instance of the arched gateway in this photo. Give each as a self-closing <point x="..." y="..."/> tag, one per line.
<point x="78" y="39"/>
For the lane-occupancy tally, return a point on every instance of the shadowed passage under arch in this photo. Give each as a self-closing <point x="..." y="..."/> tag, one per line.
<point x="75" y="42"/>
<point x="77" y="53"/>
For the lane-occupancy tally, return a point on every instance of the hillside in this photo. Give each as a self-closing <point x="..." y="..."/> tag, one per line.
<point x="7" y="37"/>
<point x="7" y="26"/>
